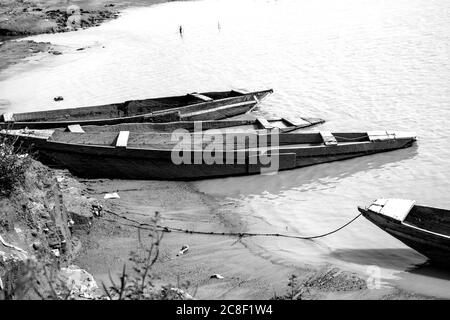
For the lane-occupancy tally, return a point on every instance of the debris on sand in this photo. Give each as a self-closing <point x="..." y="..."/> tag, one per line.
<point x="80" y="283"/>
<point x="56" y="253"/>
<point x="58" y="98"/>
<point x="55" y="52"/>
<point x="184" y="250"/>
<point x="97" y="210"/>
<point x="113" y="195"/>
<point x="183" y="295"/>
<point x="217" y="276"/>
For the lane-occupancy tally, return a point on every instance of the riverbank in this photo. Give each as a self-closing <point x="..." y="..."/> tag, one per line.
<point x="55" y="217"/>
<point x="41" y="222"/>
<point x="25" y="18"/>
<point x="248" y="273"/>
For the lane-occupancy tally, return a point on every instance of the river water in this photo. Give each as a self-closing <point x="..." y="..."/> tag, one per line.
<point x="359" y="64"/>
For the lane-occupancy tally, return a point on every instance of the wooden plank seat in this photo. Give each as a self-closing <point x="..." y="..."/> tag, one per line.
<point x="200" y="96"/>
<point x="241" y="91"/>
<point x="122" y="139"/>
<point x="380" y="135"/>
<point x="76" y="128"/>
<point x="328" y="138"/>
<point x="298" y="122"/>
<point x="265" y="124"/>
<point x="8" y="117"/>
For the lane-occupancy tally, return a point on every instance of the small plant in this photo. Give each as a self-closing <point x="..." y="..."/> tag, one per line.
<point x="14" y="162"/>
<point x="35" y="278"/>
<point x="140" y="286"/>
<point x="296" y="290"/>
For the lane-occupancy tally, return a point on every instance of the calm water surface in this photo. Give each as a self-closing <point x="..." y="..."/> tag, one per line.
<point x="359" y="64"/>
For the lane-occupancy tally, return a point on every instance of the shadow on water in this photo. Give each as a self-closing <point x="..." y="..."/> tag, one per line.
<point x="324" y="174"/>
<point x="390" y="258"/>
<point x="401" y="259"/>
<point x="428" y="269"/>
<point x="4" y="105"/>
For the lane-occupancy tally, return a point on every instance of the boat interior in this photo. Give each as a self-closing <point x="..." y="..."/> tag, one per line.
<point x="124" y="109"/>
<point x="239" y="140"/>
<point x="238" y="125"/>
<point x="253" y="124"/>
<point x="431" y="219"/>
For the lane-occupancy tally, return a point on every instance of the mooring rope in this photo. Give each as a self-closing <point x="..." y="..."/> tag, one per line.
<point x="234" y="234"/>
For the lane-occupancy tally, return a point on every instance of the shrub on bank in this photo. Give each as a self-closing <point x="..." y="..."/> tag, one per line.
<point x="14" y="162"/>
<point x="138" y="285"/>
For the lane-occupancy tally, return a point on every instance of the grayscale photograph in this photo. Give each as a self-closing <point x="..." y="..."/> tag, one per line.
<point x="224" y="150"/>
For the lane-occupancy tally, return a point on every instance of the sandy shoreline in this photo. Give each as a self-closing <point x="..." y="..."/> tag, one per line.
<point x="21" y="19"/>
<point x="101" y="245"/>
<point x="249" y="272"/>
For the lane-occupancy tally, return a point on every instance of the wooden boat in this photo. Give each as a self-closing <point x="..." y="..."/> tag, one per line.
<point x="249" y="124"/>
<point x="425" y="229"/>
<point x="190" y="107"/>
<point x="186" y="156"/>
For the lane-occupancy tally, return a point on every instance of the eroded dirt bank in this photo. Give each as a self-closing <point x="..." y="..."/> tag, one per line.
<point x="41" y="221"/>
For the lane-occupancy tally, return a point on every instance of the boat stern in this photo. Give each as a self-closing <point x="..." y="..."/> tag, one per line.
<point x="410" y="137"/>
<point x="400" y="138"/>
<point x="260" y="95"/>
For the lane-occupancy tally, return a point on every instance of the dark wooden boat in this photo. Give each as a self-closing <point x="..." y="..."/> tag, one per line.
<point x="186" y="156"/>
<point x="425" y="229"/>
<point x="249" y="124"/>
<point x="190" y="107"/>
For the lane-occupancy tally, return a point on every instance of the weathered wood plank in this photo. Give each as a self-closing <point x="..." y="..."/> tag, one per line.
<point x="298" y="122"/>
<point x="272" y="162"/>
<point x="76" y="128"/>
<point x="161" y="117"/>
<point x="328" y="138"/>
<point x="264" y="123"/>
<point x="200" y="96"/>
<point x="8" y="117"/>
<point x="122" y="139"/>
<point x="242" y="91"/>
<point x="379" y="135"/>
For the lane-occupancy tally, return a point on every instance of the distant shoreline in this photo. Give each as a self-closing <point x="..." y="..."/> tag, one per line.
<point x="19" y="20"/>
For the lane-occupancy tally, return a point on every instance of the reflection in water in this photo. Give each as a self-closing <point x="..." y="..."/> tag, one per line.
<point x="426" y="279"/>
<point x="309" y="178"/>
<point x="4" y="105"/>
<point x="430" y="270"/>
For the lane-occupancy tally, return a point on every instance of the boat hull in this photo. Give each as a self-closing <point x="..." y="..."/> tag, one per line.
<point x="433" y="246"/>
<point x="137" y="113"/>
<point x="90" y="161"/>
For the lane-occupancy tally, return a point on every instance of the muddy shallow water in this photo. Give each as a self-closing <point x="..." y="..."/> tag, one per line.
<point x="361" y="65"/>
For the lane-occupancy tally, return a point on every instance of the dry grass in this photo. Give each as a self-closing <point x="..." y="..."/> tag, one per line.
<point x="14" y="162"/>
